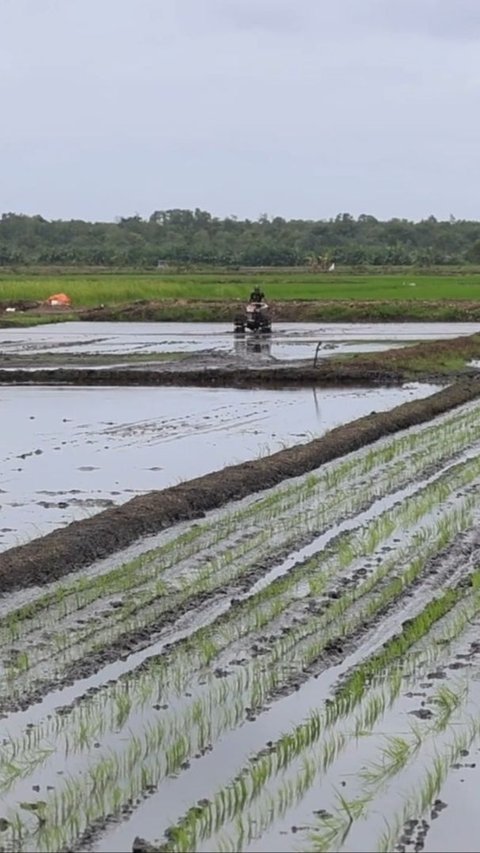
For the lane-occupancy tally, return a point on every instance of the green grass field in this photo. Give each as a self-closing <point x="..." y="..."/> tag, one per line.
<point x="91" y="290"/>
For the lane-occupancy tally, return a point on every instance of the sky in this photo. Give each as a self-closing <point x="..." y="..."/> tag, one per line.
<point x="296" y="108"/>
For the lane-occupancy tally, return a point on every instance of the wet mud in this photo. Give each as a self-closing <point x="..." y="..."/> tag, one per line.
<point x="291" y="311"/>
<point x="324" y="374"/>
<point x="224" y="310"/>
<point x="82" y="542"/>
<point x="438" y="360"/>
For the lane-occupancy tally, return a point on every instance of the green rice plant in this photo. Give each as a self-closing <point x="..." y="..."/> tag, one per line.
<point x="335" y="828"/>
<point x="352" y="600"/>
<point x="394" y="756"/>
<point x="61" y="596"/>
<point x="447" y="701"/>
<point x="417" y="627"/>
<point x="424" y="794"/>
<point x="178" y="751"/>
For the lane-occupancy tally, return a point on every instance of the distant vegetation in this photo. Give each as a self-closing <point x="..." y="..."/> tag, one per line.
<point x="176" y="237"/>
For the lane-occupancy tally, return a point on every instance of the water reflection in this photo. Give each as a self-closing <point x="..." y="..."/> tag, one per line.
<point x="246" y="345"/>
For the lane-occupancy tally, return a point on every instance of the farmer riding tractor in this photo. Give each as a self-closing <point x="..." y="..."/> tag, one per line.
<point x="256" y="317"/>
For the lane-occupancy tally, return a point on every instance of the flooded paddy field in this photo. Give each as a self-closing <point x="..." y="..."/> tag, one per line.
<point x="298" y="669"/>
<point x="70" y="452"/>
<point x="69" y="343"/>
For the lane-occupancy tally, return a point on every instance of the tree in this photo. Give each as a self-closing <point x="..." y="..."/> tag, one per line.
<point x="473" y="253"/>
<point x="187" y="236"/>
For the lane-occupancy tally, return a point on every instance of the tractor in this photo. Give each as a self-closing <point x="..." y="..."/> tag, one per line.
<point x="255" y="318"/>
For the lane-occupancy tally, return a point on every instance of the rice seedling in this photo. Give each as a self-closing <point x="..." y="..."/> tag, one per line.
<point x="447" y="701"/>
<point x="302" y="644"/>
<point x="336" y="827"/>
<point x="424" y="794"/>
<point x="283" y="645"/>
<point x="228" y="557"/>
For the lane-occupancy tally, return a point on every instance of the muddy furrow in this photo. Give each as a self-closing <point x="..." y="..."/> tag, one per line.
<point x="351" y="737"/>
<point x="196" y="724"/>
<point x="82" y="542"/>
<point x="181" y="730"/>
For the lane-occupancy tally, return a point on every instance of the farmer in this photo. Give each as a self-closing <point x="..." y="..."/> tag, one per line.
<point x="257" y="295"/>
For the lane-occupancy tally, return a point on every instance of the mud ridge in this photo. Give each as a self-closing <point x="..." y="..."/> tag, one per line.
<point x="293" y="310"/>
<point x="270" y="377"/>
<point x="215" y="310"/>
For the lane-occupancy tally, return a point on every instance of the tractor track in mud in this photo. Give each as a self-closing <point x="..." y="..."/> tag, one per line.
<point x="82" y="542"/>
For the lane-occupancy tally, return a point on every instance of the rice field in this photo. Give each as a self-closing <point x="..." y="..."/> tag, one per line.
<point x="89" y="289"/>
<point x="111" y="288"/>
<point x="298" y="670"/>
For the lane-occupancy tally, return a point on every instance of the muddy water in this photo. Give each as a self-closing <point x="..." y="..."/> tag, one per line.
<point x="458" y="826"/>
<point x="67" y="453"/>
<point x="288" y="341"/>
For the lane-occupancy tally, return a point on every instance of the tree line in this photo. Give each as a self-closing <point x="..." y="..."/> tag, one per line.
<point x="182" y="237"/>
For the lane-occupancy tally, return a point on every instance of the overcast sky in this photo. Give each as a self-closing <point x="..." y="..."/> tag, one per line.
<point x="294" y="108"/>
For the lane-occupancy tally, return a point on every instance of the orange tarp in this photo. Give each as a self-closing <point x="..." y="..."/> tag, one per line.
<point x="59" y="299"/>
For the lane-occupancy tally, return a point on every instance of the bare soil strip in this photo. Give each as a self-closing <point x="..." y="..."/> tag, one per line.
<point x="82" y="542"/>
<point x="291" y="311"/>
<point x="268" y="377"/>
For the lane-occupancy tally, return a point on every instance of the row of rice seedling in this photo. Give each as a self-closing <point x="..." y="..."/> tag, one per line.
<point x="445" y="438"/>
<point x="306" y="641"/>
<point x="137" y="611"/>
<point x="418" y="763"/>
<point x="72" y="645"/>
<point x="255" y="818"/>
<point x="301" y="645"/>
<point x="145" y="571"/>
<point x="232" y="804"/>
<point x="255" y="683"/>
<point x="255" y="613"/>
<point x="422" y="797"/>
